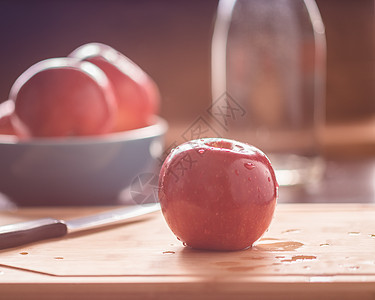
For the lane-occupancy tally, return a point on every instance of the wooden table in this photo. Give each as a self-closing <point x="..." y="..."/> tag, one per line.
<point x="314" y="251"/>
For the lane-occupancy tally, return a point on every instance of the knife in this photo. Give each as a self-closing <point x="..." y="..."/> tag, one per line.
<point x="18" y="234"/>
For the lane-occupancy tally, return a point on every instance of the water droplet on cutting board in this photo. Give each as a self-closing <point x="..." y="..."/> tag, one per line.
<point x="299" y="258"/>
<point x="291" y="230"/>
<point x="58" y="257"/>
<point x="24" y="253"/>
<point x="354" y="233"/>
<point x="169" y="252"/>
<point x="324" y="245"/>
<point x="279" y="246"/>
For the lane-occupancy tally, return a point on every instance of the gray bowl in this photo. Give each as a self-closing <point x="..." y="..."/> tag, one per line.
<point x="80" y="170"/>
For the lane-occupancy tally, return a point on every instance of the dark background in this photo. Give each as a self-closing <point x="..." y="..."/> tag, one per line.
<point x="171" y="41"/>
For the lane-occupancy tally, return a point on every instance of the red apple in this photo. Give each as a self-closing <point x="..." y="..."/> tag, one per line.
<point x="6" y="110"/>
<point x="136" y="93"/>
<point x="217" y="194"/>
<point x="62" y="97"/>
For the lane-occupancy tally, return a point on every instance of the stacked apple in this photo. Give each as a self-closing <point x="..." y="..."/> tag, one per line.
<point x="93" y="91"/>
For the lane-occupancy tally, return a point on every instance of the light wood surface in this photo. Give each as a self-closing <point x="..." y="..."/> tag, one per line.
<point x="310" y="250"/>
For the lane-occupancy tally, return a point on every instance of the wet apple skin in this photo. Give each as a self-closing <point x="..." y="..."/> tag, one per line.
<point x="210" y="200"/>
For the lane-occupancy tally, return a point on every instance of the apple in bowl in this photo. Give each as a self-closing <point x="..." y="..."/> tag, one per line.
<point x="61" y="97"/>
<point x="217" y="194"/>
<point x="137" y="95"/>
<point x="6" y="111"/>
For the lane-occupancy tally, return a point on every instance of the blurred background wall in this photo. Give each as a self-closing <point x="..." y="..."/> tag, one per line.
<point x="171" y="41"/>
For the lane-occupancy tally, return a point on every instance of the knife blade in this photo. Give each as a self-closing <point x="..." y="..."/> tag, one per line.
<point x="21" y="233"/>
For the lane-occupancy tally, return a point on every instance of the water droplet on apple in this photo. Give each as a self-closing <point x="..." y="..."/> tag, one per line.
<point x="184" y="244"/>
<point x="237" y="172"/>
<point x="269" y="179"/>
<point x="201" y="151"/>
<point x="249" y="165"/>
<point x="249" y="178"/>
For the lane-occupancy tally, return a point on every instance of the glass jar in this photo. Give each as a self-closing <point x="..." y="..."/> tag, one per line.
<point x="268" y="68"/>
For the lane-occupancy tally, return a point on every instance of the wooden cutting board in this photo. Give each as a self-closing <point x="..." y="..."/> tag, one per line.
<point x="310" y="250"/>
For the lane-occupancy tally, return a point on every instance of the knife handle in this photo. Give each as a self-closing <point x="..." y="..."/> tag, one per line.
<point x="18" y="234"/>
